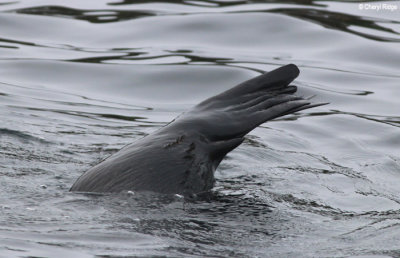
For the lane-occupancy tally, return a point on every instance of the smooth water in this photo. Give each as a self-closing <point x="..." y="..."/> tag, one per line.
<point x="81" y="79"/>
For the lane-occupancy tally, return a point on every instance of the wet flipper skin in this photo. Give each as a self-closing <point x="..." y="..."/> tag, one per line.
<point x="182" y="156"/>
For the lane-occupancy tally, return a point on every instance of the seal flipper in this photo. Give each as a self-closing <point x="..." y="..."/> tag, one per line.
<point x="237" y="111"/>
<point x="219" y="149"/>
<point x="268" y="82"/>
<point x="182" y="156"/>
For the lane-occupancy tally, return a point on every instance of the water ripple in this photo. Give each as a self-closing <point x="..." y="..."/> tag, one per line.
<point x="81" y="79"/>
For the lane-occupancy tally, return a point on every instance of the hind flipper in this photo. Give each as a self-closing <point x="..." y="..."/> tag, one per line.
<point x="273" y="81"/>
<point x="235" y="112"/>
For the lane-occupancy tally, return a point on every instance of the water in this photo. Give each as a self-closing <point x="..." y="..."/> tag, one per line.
<point x="80" y="79"/>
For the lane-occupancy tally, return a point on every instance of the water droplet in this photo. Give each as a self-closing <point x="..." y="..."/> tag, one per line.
<point x="131" y="193"/>
<point x="179" y="196"/>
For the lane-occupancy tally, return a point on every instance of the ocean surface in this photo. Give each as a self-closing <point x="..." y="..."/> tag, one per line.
<point x="81" y="79"/>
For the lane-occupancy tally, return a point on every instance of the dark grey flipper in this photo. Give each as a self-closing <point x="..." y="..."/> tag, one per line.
<point x="182" y="156"/>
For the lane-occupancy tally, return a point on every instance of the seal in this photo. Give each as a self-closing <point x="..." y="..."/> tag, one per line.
<point x="181" y="157"/>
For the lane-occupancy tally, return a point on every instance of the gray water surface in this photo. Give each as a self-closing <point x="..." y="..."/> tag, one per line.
<point x="81" y="79"/>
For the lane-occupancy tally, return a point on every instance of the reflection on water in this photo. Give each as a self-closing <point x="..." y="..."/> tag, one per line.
<point x="347" y="23"/>
<point x="81" y="79"/>
<point x="93" y="16"/>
